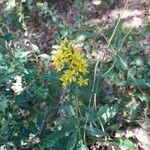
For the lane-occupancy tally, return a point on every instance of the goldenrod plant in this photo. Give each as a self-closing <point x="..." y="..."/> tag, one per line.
<point x="92" y="97"/>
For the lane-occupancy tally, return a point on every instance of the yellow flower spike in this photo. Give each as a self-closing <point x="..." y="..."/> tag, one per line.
<point x="68" y="59"/>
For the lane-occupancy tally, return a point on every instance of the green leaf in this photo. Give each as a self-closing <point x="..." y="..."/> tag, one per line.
<point x="135" y="111"/>
<point x="2" y="45"/>
<point x="142" y="83"/>
<point x="82" y="36"/>
<point x="2" y="60"/>
<point x="95" y="132"/>
<point x="24" y="54"/>
<point x="72" y="141"/>
<point x="8" y="76"/>
<point x="44" y="56"/>
<point x="8" y="37"/>
<point x="139" y="61"/>
<point x="3" y="104"/>
<point x="118" y="38"/>
<point x="68" y="122"/>
<point x="55" y="46"/>
<point x="68" y="109"/>
<point x="113" y="127"/>
<point x="50" y="76"/>
<point x="80" y="145"/>
<point x="64" y="33"/>
<point x="143" y="98"/>
<point x="40" y="91"/>
<point x="126" y="144"/>
<point x="146" y="30"/>
<point x="90" y="111"/>
<point x="92" y="116"/>
<point x="35" y="48"/>
<point x="58" y="134"/>
<point x="106" y="113"/>
<point x="113" y="75"/>
<point x="120" y="64"/>
<point x="20" y="99"/>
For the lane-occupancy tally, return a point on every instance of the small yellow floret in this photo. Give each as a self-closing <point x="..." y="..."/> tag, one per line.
<point x="68" y="77"/>
<point x="82" y="81"/>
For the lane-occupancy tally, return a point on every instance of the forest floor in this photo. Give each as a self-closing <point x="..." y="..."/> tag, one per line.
<point x="90" y="14"/>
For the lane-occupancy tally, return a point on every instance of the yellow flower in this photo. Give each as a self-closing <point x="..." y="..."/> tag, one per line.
<point x="82" y="81"/>
<point x="81" y="66"/>
<point x="68" y="59"/>
<point x="58" y="62"/>
<point x="68" y="77"/>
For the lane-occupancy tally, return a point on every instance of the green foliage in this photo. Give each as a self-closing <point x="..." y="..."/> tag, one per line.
<point x="126" y="144"/>
<point x="3" y="105"/>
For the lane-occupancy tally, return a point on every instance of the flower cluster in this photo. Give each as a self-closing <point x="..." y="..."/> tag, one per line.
<point x="68" y="59"/>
